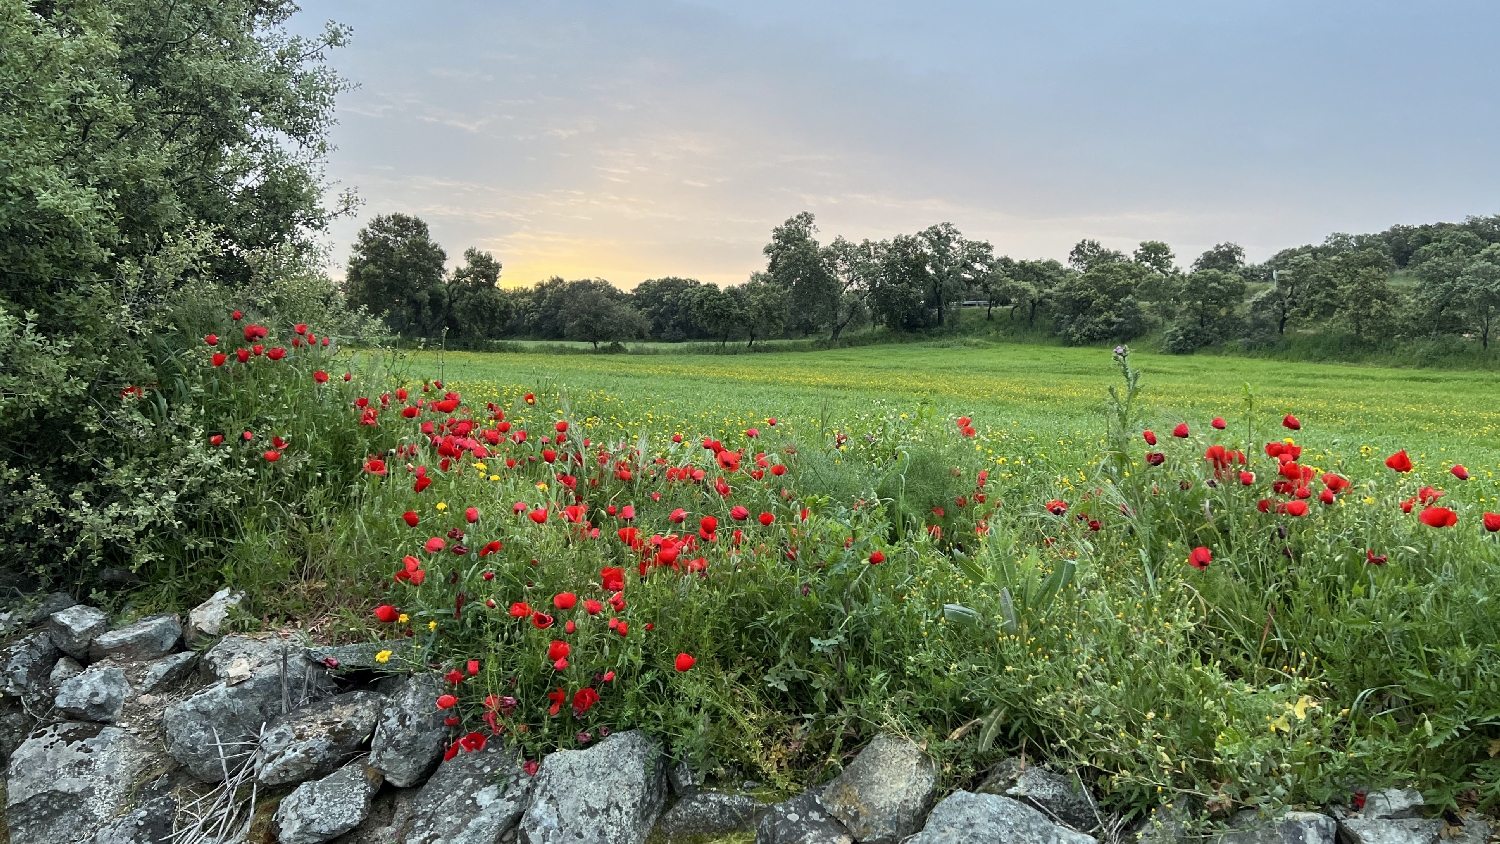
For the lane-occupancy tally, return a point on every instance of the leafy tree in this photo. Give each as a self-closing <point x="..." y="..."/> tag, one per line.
<point x="953" y="264"/>
<point x="1224" y="257"/>
<point x="1157" y="257"/>
<point x="667" y="303"/>
<point x="898" y="295"/>
<point x="596" y="311"/>
<point x="1028" y="284"/>
<point x="993" y="284"/>
<point x="1478" y="291"/>
<point x="1088" y="254"/>
<point x="1100" y="304"/>
<point x="1352" y="289"/>
<point x="764" y="305"/>
<point x="796" y="263"/>
<point x="1207" y="302"/>
<point x="1161" y="287"/>
<point x="478" y="309"/>
<point x="718" y="313"/>
<point x="396" y="269"/>
<point x="853" y="267"/>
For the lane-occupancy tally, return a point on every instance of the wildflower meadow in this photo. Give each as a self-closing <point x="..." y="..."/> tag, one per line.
<point x="1223" y="601"/>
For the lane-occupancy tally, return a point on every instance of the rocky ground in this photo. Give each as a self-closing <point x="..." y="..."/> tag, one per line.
<point x="126" y="736"/>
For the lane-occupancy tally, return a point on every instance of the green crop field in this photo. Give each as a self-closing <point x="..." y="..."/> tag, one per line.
<point x="1051" y="392"/>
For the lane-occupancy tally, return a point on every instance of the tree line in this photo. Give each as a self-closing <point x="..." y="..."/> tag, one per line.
<point x="916" y="282"/>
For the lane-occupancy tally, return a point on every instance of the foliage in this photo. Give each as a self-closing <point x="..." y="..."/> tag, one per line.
<point x="396" y="270"/>
<point x="1100" y="304"/>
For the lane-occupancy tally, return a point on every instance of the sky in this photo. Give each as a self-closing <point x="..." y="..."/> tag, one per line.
<point x="642" y="139"/>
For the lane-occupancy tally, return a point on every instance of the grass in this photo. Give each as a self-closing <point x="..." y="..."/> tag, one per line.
<point x="1442" y="417"/>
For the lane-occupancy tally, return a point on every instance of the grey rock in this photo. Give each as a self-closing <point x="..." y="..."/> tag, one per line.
<point x="410" y="736"/>
<point x="150" y="824"/>
<point x="1249" y="827"/>
<point x="885" y="792"/>
<point x="52" y="603"/>
<point x="683" y="779"/>
<point x="69" y="779"/>
<point x="712" y="813"/>
<point x="801" y="820"/>
<point x="98" y="694"/>
<point x="75" y="628"/>
<point x="1058" y="796"/>
<point x="610" y="793"/>
<point x="472" y="799"/>
<point x="1475" y="830"/>
<point x="1393" y="803"/>
<point x="15" y="725"/>
<point x="317" y="740"/>
<point x="28" y="662"/>
<point x="966" y="818"/>
<point x="65" y="669"/>
<point x="168" y="671"/>
<point x="324" y="809"/>
<point x="207" y="619"/>
<point x="1389" y="830"/>
<point x="389" y="822"/>
<point x="234" y="658"/>
<point x="360" y="656"/>
<point x="149" y="638"/>
<point x="227" y="714"/>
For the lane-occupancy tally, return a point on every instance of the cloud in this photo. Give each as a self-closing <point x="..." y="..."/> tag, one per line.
<point x="652" y="138"/>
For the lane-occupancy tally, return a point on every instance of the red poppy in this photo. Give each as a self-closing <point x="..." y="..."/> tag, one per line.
<point x="1438" y="517"/>
<point x="276" y="354"/>
<point x="877" y="558"/>
<point x="1150" y="437"/>
<point x="387" y="613"/>
<point x="684" y="662"/>
<point x="1057" y="507"/>
<point x="1492" y="522"/>
<point x="1296" y="508"/>
<point x="1247" y="478"/>
<point x="1155" y="458"/>
<point x="520" y="609"/>
<point x="564" y="600"/>
<point x="531" y="766"/>
<point x="375" y="466"/>
<point x="473" y="742"/>
<point x="677" y="516"/>
<point x="1290" y="422"/>
<point x="592" y="607"/>
<point x="236" y="316"/>
<point x="435" y="544"/>
<point x="541" y="620"/>
<point x="1399" y="461"/>
<point x="613" y="579"/>
<point x="539" y="516"/>
<point x="529" y="398"/>
<point x="1460" y="472"/>
<point x="766" y="519"/>
<point x="271" y="456"/>
<point x="583" y="701"/>
<point x="219" y="358"/>
<point x="738" y="513"/>
<point x="557" y="699"/>
<point x="487" y="550"/>
<point x="447" y="702"/>
<point x="410" y="517"/>
<point x="1200" y="558"/>
<point x="454" y="677"/>
<point x="1373" y="559"/>
<point x="1218" y="423"/>
<point x="1181" y="431"/>
<point x="321" y="377"/>
<point x="216" y="439"/>
<point x="558" y="650"/>
<point x="242" y="355"/>
<point x="422" y="482"/>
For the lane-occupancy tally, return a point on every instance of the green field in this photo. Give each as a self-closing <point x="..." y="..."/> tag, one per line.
<point x="1052" y="392"/>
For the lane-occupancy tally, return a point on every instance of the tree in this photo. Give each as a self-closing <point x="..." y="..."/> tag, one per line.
<point x="1100" y="304"/>
<point x="1353" y="289"/>
<point x="1088" y="254"/>
<point x="596" y="311"/>
<point x="1160" y="287"/>
<point x="796" y="263"/>
<point x="1479" y="292"/>
<point x="898" y="289"/>
<point x="1157" y="257"/>
<point x="1028" y="284"/>
<point x="1224" y="257"/>
<point x="478" y="309"/>
<point x="1207" y="302"/>
<point x="765" y="307"/>
<point x="666" y="303"/>
<point x="953" y="264"/>
<point x="993" y="284"/>
<point x="396" y="269"/>
<point x="853" y="267"/>
<point x="717" y="313"/>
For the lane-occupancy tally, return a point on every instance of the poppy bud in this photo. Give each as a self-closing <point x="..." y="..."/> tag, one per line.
<point x="684" y="662"/>
<point x="1181" y="431"/>
<point x="1200" y="558"/>
<point x="766" y="519"/>
<point x="387" y="613"/>
<point x="877" y="558"/>
<point x="1218" y="423"/>
<point x="1460" y="472"/>
<point x="1492" y="522"/>
<point x="236" y="316"/>
<point x="1150" y="437"/>
<point x="212" y="339"/>
<point x="410" y="517"/>
<point x="321" y="377"/>
<point x="472" y="514"/>
<point x="1290" y="423"/>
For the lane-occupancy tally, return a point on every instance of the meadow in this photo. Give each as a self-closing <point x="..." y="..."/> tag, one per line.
<point x="1226" y="581"/>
